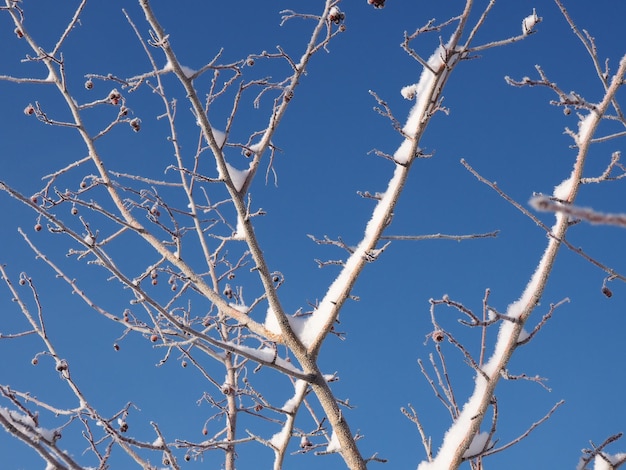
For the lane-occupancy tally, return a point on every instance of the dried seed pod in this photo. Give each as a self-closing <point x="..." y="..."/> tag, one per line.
<point x="607" y="292"/>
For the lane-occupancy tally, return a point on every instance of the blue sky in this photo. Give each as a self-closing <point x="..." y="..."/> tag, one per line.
<point x="512" y="136"/>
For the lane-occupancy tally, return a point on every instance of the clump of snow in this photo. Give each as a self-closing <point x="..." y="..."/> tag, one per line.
<point x="188" y="71"/>
<point x="333" y="445"/>
<point x="479" y="443"/>
<point x="605" y="461"/>
<point x="239" y="231"/>
<point x="280" y="439"/>
<point x="528" y="23"/>
<point x="256" y="148"/>
<point x="291" y="403"/>
<point x="409" y="92"/>
<point x="271" y="322"/>
<point x="240" y="307"/>
<point x="584" y="128"/>
<point x="89" y="240"/>
<point x="219" y="137"/>
<point x="238" y="177"/>
<point x="564" y="189"/>
<point x="264" y="355"/>
<point x="405" y="151"/>
<point x="523" y="335"/>
<point x="305" y="328"/>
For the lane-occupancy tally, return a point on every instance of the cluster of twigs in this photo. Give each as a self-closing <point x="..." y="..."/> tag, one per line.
<point x="194" y="228"/>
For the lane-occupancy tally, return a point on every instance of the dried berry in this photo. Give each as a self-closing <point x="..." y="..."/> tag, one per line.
<point x="377" y="3"/>
<point x="116" y="346"/>
<point x="18" y="32"/>
<point x="74" y="211"/>
<point x="606" y="291"/>
<point x="228" y="292"/>
<point x="154" y="338"/>
<point x="135" y="124"/>
<point x="438" y="336"/>
<point x="114" y="97"/>
<point x="89" y="84"/>
<point x="38" y="227"/>
<point x="336" y="15"/>
<point x="29" y="110"/>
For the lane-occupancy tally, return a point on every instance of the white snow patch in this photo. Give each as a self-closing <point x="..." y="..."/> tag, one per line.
<point x="584" y="128"/>
<point x="305" y="328"/>
<point x="564" y="188"/>
<point x="405" y="152"/>
<point x="271" y="322"/>
<point x="239" y="231"/>
<point x="290" y="404"/>
<point x="240" y="307"/>
<point x="479" y="443"/>
<point x="219" y="137"/>
<point x="529" y="23"/>
<point x="456" y="432"/>
<point x="523" y="336"/>
<point x="280" y="439"/>
<point x="238" y="177"/>
<point x="265" y="355"/>
<point x="158" y="442"/>
<point x="600" y="461"/>
<point x="256" y="148"/>
<point x="188" y="71"/>
<point x="333" y="445"/>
